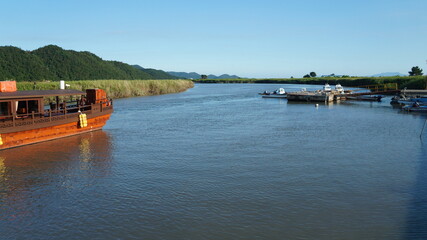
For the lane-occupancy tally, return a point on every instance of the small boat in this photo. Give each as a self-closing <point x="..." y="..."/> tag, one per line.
<point x="279" y="93"/>
<point x="398" y="100"/>
<point x="327" y="88"/>
<point x="415" y="107"/>
<point x="339" y="88"/>
<point x="419" y="99"/>
<point x="404" y="100"/>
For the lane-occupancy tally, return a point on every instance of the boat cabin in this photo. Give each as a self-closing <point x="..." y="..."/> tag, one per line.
<point x="24" y="103"/>
<point x="280" y="91"/>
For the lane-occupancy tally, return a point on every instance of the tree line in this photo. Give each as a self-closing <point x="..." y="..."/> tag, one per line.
<point x="415" y="71"/>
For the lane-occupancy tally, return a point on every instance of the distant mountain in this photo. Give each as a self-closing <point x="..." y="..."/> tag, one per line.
<point x="54" y="63"/>
<point x="160" y="74"/>
<point x="223" y="76"/>
<point x="191" y="75"/>
<point x="388" y="74"/>
<point x="194" y="75"/>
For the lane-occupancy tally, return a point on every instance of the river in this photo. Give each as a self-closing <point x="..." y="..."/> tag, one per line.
<point x="220" y="162"/>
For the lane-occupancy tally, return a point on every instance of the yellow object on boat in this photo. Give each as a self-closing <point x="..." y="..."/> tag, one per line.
<point x="83" y="120"/>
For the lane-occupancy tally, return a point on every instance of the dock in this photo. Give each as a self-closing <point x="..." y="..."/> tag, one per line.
<point x="413" y="92"/>
<point x="366" y="93"/>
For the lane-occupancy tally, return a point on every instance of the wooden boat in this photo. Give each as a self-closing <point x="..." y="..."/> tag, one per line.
<point x="24" y="118"/>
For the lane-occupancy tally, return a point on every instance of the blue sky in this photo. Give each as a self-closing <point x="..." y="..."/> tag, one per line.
<point x="250" y="38"/>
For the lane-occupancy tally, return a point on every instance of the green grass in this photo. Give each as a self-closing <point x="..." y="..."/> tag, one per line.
<point x="416" y="82"/>
<point x="117" y="88"/>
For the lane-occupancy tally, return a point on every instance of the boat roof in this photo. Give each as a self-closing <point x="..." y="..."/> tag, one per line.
<point x="39" y="93"/>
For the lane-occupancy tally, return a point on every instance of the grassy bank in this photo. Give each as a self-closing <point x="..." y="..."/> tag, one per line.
<point x="416" y="82"/>
<point x="117" y="88"/>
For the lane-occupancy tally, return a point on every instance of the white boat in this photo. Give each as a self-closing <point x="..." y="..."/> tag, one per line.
<point x="279" y="93"/>
<point x="339" y="88"/>
<point x="327" y="88"/>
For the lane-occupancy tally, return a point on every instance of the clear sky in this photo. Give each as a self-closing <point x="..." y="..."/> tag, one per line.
<point x="249" y="38"/>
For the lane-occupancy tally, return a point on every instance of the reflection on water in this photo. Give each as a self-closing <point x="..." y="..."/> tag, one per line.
<point x="416" y="223"/>
<point x="85" y="150"/>
<point x="2" y="168"/>
<point x="92" y="147"/>
<point x="28" y="174"/>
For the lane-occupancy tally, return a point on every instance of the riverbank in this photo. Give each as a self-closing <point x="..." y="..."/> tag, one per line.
<point x="415" y="82"/>
<point x="117" y="88"/>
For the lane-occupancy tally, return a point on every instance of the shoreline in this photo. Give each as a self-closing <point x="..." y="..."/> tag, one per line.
<point x="412" y="82"/>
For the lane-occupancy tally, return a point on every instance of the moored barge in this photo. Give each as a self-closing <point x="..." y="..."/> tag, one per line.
<point x="28" y="117"/>
<point x="307" y="96"/>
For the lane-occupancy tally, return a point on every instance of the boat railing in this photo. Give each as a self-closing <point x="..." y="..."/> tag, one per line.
<point x="51" y="115"/>
<point x="380" y="87"/>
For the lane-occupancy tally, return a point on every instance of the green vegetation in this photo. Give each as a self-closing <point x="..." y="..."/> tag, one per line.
<point x="416" y="71"/>
<point x="54" y="63"/>
<point x="310" y="75"/>
<point x="415" y="82"/>
<point x="117" y="88"/>
<point x="154" y="72"/>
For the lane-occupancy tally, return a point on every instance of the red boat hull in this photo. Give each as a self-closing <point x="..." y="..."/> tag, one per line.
<point x="20" y="138"/>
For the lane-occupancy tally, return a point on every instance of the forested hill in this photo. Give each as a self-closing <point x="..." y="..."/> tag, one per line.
<point x="54" y="63"/>
<point x="159" y="73"/>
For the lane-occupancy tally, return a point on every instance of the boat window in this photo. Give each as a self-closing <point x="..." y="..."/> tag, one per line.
<point x="22" y="107"/>
<point x="4" y="108"/>
<point x="33" y="105"/>
<point x="27" y="106"/>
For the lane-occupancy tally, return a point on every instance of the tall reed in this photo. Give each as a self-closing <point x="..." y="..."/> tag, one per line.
<point x="117" y="88"/>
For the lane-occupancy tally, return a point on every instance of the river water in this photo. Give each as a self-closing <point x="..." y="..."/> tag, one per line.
<point x="220" y="162"/>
